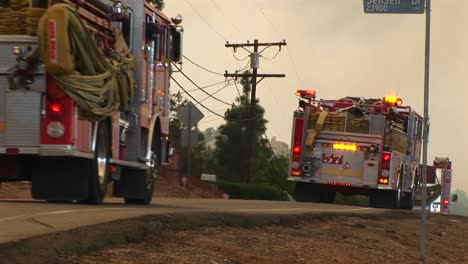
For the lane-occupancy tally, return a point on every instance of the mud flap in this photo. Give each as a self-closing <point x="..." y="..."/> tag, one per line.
<point x="132" y="184"/>
<point x="60" y="178"/>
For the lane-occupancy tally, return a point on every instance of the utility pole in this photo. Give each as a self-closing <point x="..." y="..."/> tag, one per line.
<point x="425" y="133"/>
<point x="254" y="65"/>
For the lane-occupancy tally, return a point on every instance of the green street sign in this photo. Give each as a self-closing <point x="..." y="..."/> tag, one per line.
<point x="394" y="6"/>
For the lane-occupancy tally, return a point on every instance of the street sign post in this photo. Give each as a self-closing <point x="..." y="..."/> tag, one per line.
<point x="189" y="115"/>
<point x="394" y="6"/>
<point x="414" y="7"/>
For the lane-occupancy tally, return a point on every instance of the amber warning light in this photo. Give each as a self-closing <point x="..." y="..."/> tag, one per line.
<point x="351" y="147"/>
<point x="392" y="100"/>
<point x="306" y="94"/>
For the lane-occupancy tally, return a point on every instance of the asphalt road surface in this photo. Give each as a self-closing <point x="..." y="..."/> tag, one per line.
<point x="21" y="219"/>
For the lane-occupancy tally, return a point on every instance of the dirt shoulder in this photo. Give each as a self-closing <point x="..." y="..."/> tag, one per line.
<point x="390" y="237"/>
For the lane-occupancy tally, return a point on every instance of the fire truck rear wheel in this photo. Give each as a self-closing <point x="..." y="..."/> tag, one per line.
<point x="307" y="192"/>
<point x="99" y="177"/>
<point x="151" y="172"/>
<point x="384" y="199"/>
<point x="150" y="176"/>
<point x="407" y="201"/>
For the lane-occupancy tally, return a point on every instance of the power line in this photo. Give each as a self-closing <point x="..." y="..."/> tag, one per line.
<point x="237" y="88"/>
<point x="274" y="56"/>
<point x="209" y="121"/>
<point x="207" y="86"/>
<point x="217" y="91"/>
<point x="201" y="67"/>
<point x="210" y="71"/>
<point x="196" y="85"/>
<point x="208" y="109"/>
<point x="193" y="98"/>
<point x="278" y="32"/>
<point x="234" y="55"/>
<point x="212" y="28"/>
<point x="225" y="17"/>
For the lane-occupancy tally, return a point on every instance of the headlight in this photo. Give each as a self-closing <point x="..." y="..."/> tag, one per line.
<point x="55" y="129"/>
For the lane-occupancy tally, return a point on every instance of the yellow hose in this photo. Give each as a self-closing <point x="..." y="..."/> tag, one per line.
<point x="99" y="85"/>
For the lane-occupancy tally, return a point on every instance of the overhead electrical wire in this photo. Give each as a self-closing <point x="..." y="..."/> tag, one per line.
<point x="271" y="58"/>
<point x="217" y="91"/>
<point x="201" y="89"/>
<point x="227" y="19"/>
<point x="237" y="88"/>
<point x="193" y="98"/>
<point x="212" y="28"/>
<point x="201" y="67"/>
<point x="278" y="32"/>
<point x="208" y="109"/>
<point x="207" y="86"/>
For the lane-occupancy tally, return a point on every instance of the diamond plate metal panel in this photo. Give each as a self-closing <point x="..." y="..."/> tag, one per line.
<point x="22" y="118"/>
<point x="134" y="131"/>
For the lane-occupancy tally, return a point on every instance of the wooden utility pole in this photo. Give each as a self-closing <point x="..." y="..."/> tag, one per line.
<point x="254" y="65"/>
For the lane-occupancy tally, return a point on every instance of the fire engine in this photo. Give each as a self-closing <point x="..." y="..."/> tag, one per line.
<point x="84" y="88"/>
<point x="441" y="173"/>
<point x="355" y="145"/>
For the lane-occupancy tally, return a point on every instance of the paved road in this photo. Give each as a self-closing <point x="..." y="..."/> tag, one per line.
<point x="22" y="219"/>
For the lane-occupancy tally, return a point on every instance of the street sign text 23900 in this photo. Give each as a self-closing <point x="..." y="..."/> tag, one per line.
<point x="394" y="6"/>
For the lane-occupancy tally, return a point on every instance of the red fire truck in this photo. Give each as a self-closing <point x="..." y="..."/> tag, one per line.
<point x="85" y="98"/>
<point x="440" y="173"/>
<point x="355" y="145"/>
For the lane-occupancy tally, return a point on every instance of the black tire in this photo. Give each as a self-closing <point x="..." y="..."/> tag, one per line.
<point x="150" y="174"/>
<point x="407" y="201"/>
<point x="384" y="199"/>
<point x="327" y="196"/>
<point x="99" y="178"/>
<point x="150" y="178"/>
<point x="307" y="192"/>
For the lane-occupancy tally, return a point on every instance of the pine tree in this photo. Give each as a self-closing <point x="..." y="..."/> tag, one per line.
<point x="159" y="4"/>
<point x="232" y="142"/>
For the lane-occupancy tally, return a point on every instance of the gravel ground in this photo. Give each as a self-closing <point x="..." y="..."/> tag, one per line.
<point x="340" y="239"/>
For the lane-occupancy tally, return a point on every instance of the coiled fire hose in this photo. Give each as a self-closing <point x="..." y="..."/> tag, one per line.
<point x="17" y="18"/>
<point x="99" y="84"/>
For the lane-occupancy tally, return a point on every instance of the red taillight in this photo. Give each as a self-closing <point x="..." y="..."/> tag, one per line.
<point x="298" y="131"/>
<point x="297" y="150"/>
<point x="56" y="110"/>
<point x="12" y="150"/>
<point x="297" y="143"/>
<point x="385" y="168"/>
<point x="445" y="201"/>
<point x="386" y="157"/>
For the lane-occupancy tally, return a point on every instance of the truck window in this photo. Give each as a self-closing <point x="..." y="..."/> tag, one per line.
<point x="153" y="34"/>
<point x="165" y="43"/>
<point x="418" y="128"/>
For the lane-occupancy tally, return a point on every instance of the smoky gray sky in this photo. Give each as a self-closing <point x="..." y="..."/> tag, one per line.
<point x="338" y="50"/>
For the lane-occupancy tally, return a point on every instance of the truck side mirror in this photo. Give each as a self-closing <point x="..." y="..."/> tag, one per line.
<point x="455" y="198"/>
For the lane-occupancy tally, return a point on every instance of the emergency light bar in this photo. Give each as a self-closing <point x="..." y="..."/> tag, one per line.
<point x="351" y="147"/>
<point x="392" y="100"/>
<point x="306" y="94"/>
